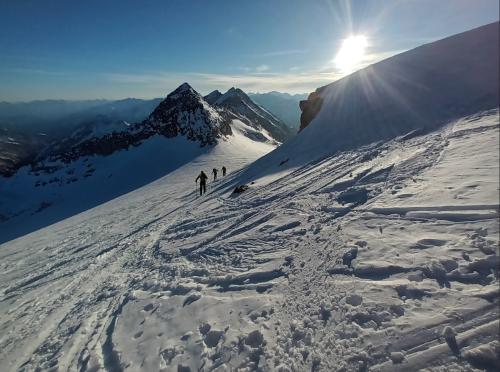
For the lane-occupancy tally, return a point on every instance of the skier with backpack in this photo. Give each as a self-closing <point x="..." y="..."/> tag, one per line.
<point x="214" y="171"/>
<point x="203" y="182"/>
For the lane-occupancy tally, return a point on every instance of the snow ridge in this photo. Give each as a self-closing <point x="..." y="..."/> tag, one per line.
<point x="241" y="107"/>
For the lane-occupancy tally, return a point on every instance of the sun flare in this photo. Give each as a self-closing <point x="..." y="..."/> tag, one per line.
<point x="351" y="53"/>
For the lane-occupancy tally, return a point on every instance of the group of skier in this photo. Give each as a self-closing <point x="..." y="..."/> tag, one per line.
<point x="203" y="178"/>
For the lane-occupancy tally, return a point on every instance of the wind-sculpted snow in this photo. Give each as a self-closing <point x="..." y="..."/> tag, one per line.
<point x="301" y="271"/>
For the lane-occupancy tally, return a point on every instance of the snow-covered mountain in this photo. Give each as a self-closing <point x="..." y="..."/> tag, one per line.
<point x="213" y="96"/>
<point x="185" y="112"/>
<point x="99" y="162"/>
<point x="33" y="129"/>
<point x="416" y="90"/>
<point x="26" y="128"/>
<point x="55" y="115"/>
<point x="285" y="106"/>
<point x="406" y="95"/>
<point x="241" y="107"/>
<point x="369" y="253"/>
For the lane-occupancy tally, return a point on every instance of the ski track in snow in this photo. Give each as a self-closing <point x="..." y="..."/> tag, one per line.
<point x="356" y="261"/>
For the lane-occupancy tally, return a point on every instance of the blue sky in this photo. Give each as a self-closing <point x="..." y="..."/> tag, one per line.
<point x="73" y="49"/>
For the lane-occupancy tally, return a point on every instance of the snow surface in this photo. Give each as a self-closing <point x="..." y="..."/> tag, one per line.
<point x="31" y="200"/>
<point x="377" y="252"/>
<point x="360" y="259"/>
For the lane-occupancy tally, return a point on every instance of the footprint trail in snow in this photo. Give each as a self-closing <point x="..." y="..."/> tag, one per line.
<point x="365" y="259"/>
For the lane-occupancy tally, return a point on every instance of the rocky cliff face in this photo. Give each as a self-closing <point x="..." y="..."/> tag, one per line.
<point x="185" y="112"/>
<point x="309" y="108"/>
<point x="212" y="97"/>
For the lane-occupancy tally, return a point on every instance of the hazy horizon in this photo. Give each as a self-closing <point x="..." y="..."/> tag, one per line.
<point x="142" y="99"/>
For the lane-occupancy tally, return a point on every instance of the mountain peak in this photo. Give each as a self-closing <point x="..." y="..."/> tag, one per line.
<point x="241" y="105"/>
<point x="185" y="112"/>
<point x="182" y="90"/>
<point x="183" y="87"/>
<point x="232" y="95"/>
<point x="213" y="96"/>
<point x="237" y="91"/>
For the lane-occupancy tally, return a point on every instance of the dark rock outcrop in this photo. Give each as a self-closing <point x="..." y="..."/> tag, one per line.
<point x="309" y="108"/>
<point x="185" y="112"/>
<point x="212" y="97"/>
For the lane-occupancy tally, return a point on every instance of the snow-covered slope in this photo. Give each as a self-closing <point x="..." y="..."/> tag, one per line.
<point x="362" y="260"/>
<point x="417" y="90"/>
<point x="406" y="95"/>
<point x="96" y="164"/>
<point x="382" y="256"/>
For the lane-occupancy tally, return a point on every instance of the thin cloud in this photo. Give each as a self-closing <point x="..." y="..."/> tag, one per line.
<point x="372" y="58"/>
<point x="262" y="68"/>
<point x="368" y="59"/>
<point x="278" y="53"/>
<point x="283" y="82"/>
<point x="38" y="72"/>
<point x="159" y="83"/>
<point x="134" y="78"/>
<point x="231" y="31"/>
<point x="255" y="79"/>
<point x="258" y="69"/>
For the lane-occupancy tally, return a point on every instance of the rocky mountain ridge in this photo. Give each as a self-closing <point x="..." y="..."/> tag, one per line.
<point x="240" y="106"/>
<point x="183" y="112"/>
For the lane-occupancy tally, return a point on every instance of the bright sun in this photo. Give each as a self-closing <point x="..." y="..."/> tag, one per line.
<point x="351" y="53"/>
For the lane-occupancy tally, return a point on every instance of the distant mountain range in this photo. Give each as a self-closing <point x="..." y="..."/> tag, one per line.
<point x="184" y="112"/>
<point x="28" y="129"/>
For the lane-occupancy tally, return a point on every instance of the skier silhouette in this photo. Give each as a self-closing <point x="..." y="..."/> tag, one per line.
<point x="203" y="182"/>
<point x="214" y="171"/>
<point x="223" y="171"/>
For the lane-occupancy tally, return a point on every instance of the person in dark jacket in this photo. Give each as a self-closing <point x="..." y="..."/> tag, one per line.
<point x="203" y="182"/>
<point x="223" y="171"/>
<point x="214" y="171"/>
